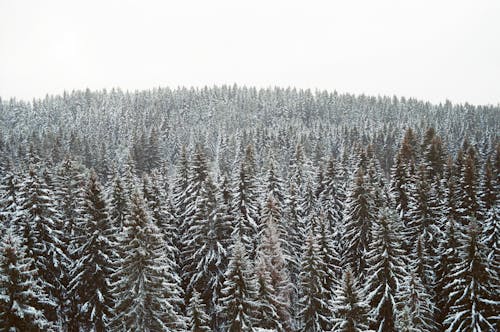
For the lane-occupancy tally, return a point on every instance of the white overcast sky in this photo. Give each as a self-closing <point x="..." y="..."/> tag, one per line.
<point x="429" y="49"/>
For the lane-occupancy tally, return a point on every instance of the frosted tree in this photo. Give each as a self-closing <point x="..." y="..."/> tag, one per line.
<point x="208" y="260"/>
<point x="474" y="306"/>
<point x="315" y="314"/>
<point x="238" y="304"/>
<point x="273" y="279"/>
<point x="142" y="293"/>
<point x="198" y="320"/>
<point x="246" y="202"/>
<point x="22" y="296"/>
<point x="41" y="229"/>
<point x="90" y="286"/>
<point x="416" y="307"/>
<point x="359" y="218"/>
<point x="349" y="307"/>
<point x="385" y="273"/>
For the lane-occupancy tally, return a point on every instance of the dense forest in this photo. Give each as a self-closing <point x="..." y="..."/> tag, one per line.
<point x="240" y="209"/>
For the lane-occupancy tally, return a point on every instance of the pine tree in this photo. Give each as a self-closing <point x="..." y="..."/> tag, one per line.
<point x="198" y="320"/>
<point x="474" y="305"/>
<point x="315" y="312"/>
<point x="416" y="308"/>
<point x="238" y="304"/>
<point x="245" y="197"/>
<point x="41" y="230"/>
<point x="274" y="283"/>
<point x="359" y="217"/>
<point x="447" y="260"/>
<point x="423" y="226"/>
<point x="350" y="311"/>
<point x="22" y="296"/>
<point x="91" y="274"/>
<point x="208" y="258"/>
<point x="385" y="273"/>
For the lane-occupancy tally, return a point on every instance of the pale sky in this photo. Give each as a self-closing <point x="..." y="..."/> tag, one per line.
<point x="429" y="49"/>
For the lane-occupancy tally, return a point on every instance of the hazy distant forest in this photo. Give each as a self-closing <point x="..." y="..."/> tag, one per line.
<point x="241" y="209"/>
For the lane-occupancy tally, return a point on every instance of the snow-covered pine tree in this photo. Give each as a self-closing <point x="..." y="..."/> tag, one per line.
<point x="41" y="229"/>
<point x="349" y="307"/>
<point x="9" y="187"/>
<point x="359" y="219"/>
<point x="90" y="286"/>
<point x="447" y="259"/>
<point x="140" y="291"/>
<point x="416" y="308"/>
<point x="474" y="304"/>
<point x="208" y="260"/>
<point x="198" y="320"/>
<point x="273" y="279"/>
<point x="238" y="304"/>
<point x="331" y="199"/>
<point x="246" y="203"/>
<point x="315" y="314"/>
<point x="423" y="225"/>
<point x="119" y="200"/>
<point x="22" y="296"/>
<point x="386" y="272"/>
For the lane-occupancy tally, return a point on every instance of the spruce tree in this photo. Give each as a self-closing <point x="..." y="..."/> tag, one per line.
<point x="350" y="311"/>
<point x="385" y="273"/>
<point x="474" y="305"/>
<point x="416" y="309"/>
<point x="198" y="320"/>
<point x="141" y="289"/>
<point x="238" y="303"/>
<point x="359" y="218"/>
<point x="22" y="296"/>
<point x="90" y="285"/>
<point x="315" y="314"/>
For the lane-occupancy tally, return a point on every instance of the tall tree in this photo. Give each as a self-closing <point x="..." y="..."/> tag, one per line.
<point x="386" y="272"/>
<point x="142" y="292"/>
<point x="350" y="310"/>
<point x="90" y="285"/>
<point x="22" y="296"/>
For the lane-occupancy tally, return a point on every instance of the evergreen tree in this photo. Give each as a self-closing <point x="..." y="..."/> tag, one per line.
<point x="315" y="312"/>
<point x="21" y="294"/>
<point x="198" y="320"/>
<point x="350" y="311"/>
<point x="238" y="304"/>
<point x="90" y="286"/>
<point x="245" y="197"/>
<point x="274" y="283"/>
<point x="416" y="308"/>
<point x="473" y="302"/>
<point x="359" y="219"/>
<point x="141" y="289"/>
<point x="385" y="273"/>
<point x="41" y="230"/>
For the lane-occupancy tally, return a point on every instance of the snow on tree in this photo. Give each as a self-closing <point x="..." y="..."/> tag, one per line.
<point x="198" y="320"/>
<point x="238" y="304"/>
<point x="474" y="304"/>
<point x="349" y="307"/>
<point x="315" y="314"/>
<point x="272" y="275"/>
<point x="385" y="273"/>
<point x="41" y="229"/>
<point x="22" y="296"/>
<point x="208" y="256"/>
<point x="359" y="219"/>
<point x="90" y="286"/>
<point x="416" y="309"/>
<point x="142" y="293"/>
<point x="246" y="202"/>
